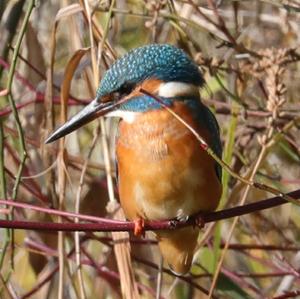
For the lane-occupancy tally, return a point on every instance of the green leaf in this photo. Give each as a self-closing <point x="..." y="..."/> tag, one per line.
<point x="231" y="288"/>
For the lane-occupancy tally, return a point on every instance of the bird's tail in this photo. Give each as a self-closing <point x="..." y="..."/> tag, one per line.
<point x="177" y="248"/>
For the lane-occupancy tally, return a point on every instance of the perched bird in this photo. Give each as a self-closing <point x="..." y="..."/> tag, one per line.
<point x="163" y="172"/>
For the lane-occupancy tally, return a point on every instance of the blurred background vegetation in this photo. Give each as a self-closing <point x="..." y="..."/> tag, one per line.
<point x="249" y="54"/>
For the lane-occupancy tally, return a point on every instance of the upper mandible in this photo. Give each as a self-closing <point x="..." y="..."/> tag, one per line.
<point x="160" y="61"/>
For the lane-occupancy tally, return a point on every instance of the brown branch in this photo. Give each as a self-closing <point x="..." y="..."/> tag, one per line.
<point x="105" y="225"/>
<point x="225" y="108"/>
<point x="291" y="294"/>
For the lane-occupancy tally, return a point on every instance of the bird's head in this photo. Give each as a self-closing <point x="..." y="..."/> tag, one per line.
<point x="160" y="69"/>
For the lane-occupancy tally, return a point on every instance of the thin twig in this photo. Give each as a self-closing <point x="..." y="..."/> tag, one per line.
<point x="234" y="223"/>
<point x="3" y="194"/>
<point x="159" y="280"/>
<point x="23" y="152"/>
<point x="77" y="208"/>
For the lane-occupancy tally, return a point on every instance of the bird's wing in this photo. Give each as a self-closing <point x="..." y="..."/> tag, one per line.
<point x="206" y="119"/>
<point x="215" y="144"/>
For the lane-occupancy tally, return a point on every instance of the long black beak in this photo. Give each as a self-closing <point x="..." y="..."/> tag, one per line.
<point x="92" y="111"/>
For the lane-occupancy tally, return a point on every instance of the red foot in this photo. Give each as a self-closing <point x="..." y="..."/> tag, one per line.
<point x="139" y="225"/>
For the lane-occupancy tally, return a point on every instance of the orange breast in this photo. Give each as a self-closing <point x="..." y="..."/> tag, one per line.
<point x="163" y="172"/>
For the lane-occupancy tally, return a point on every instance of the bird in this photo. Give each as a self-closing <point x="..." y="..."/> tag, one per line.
<point x="163" y="173"/>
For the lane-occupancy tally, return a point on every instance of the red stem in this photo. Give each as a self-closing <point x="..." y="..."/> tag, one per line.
<point x="31" y="183"/>
<point x="113" y="225"/>
<point x="40" y="97"/>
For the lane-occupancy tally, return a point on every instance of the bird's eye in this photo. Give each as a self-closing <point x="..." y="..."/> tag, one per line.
<point x="124" y="90"/>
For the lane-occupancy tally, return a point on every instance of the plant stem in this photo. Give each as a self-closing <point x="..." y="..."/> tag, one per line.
<point x="23" y="152"/>
<point x="108" y="225"/>
<point x="3" y="194"/>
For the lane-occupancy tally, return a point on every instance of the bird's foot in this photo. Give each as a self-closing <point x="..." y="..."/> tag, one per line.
<point x="195" y="220"/>
<point x="179" y="219"/>
<point x="139" y="225"/>
<point x="199" y="221"/>
<point x="183" y="218"/>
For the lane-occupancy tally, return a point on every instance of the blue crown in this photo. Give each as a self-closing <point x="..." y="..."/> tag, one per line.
<point x="159" y="61"/>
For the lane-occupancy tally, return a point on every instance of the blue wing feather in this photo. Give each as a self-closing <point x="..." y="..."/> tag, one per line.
<point x="206" y="118"/>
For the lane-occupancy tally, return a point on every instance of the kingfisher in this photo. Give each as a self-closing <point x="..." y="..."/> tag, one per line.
<point x="163" y="173"/>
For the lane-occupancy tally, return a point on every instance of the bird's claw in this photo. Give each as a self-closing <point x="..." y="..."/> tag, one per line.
<point x="179" y="219"/>
<point x="173" y="223"/>
<point x="199" y="221"/>
<point x="194" y="220"/>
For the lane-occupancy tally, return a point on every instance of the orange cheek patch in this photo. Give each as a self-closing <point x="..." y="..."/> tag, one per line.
<point x="151" y="85"/>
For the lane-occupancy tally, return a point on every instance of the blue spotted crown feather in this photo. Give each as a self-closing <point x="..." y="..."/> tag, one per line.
<point x="160" y="61"/>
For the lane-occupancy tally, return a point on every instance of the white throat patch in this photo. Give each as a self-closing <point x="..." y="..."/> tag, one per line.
<point x="175" y="89"/>
<point x="127" y="116"/>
